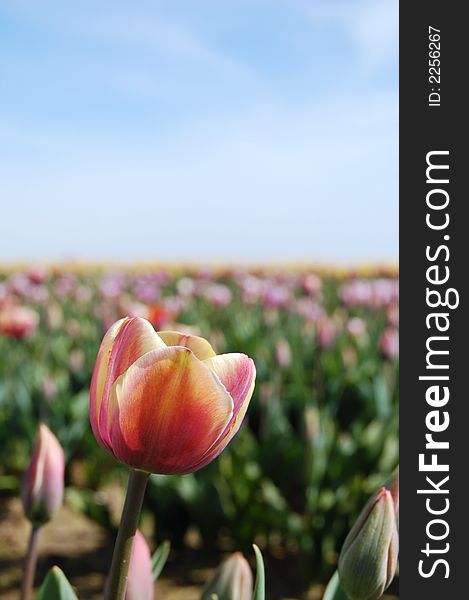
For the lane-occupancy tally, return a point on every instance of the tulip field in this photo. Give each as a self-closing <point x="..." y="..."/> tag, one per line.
<point x="280" y="442"/>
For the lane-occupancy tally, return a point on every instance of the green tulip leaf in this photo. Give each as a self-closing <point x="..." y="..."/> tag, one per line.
<point x="259" y="586"/>
<point x="55" y="587"/>
<point x="159" y="559"/>
<point x="333" y="589"/>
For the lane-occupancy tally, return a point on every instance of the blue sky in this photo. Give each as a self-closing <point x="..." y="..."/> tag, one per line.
<point x="208" y="130"/>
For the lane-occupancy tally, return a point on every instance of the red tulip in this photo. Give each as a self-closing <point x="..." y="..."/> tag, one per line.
<point x="166" y="403"/>
<point x="140" y="582"/>
<point x="160" y="315"/>
<point x="43" y="482"/>
<point x="18" y="321"/>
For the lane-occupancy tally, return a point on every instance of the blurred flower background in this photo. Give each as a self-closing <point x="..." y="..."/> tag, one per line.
<point x="197" y="164"/>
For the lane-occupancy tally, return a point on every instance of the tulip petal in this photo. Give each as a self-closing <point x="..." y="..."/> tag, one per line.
<point x="125" y="342"/>
<point x="237" y="373"/>
<point x="200" y="347"/>
<point x="166" y="411"/>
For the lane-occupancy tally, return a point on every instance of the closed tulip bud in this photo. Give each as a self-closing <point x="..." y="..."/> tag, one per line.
<point x="43" y="482"/>
<point x="140" y="581"/>
<point x="232" y="580"/>
<point x="368" y="559"/>
<point x="166" y="403"/>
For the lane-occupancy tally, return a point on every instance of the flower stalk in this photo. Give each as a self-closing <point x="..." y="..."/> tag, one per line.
<point x="128" y="526"/>
<point x="30" y="564"/>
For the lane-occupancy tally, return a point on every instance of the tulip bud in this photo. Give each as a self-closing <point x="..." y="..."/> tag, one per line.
<point x="232" y="580"/>
<point x="43" y="482"/>
<point x="368" y="559"/>
<point x="140" y="582"/>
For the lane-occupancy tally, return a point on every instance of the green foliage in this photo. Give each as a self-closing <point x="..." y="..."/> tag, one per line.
<point x="259" y="585"/>
<point x="159" y="558"/>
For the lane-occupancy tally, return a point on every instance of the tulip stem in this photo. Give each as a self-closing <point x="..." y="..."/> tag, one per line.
<point x="30" y="564"/>
<point x="120" y="560"/>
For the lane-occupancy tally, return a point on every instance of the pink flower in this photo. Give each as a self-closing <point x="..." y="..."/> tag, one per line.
<point x="312" y="284"/>
<point x="43" y="482"/>
<point x="166" y="403"/>
<point x="140" y="582"/>
<point x="218" y="294"/>
<point x="327" y="333"/>
<point x="275" y="296"/>
<point x="389" y="343"/>
<point x="308" y="309"/>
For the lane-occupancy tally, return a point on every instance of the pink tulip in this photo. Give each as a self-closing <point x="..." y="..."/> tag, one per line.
<point x="140" y="582"/>
<point x="312" y="284"/>
<point x="308" y="309"/>
<point x="218" y="295"/>
<point x="389" y="343"/>
<point x="275" y="296"/>
<point x="327" y="333"/>
<point x="166" y="403"/>
<point x="43" y="482"/>
<point x="18" y="321"/>
<point x="38" y="274"/>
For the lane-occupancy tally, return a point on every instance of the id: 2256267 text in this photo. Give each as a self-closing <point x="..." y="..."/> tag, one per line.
<point x="434" y="70"/>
